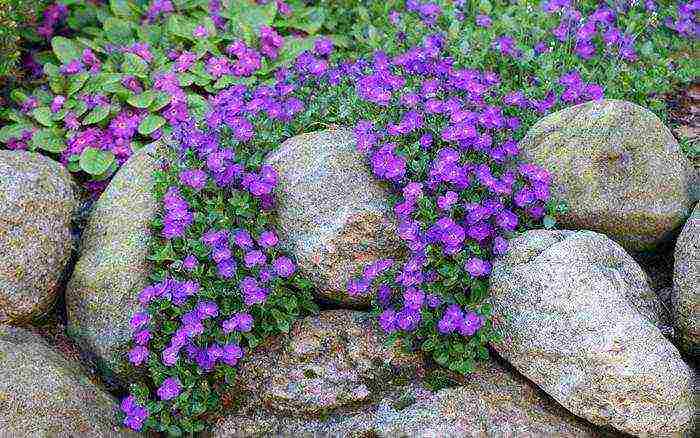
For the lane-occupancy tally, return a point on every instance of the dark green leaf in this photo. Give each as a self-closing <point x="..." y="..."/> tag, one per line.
<point x="65" y="50"/>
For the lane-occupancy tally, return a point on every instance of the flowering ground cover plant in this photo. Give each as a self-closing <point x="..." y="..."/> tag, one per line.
<point x="437" y="93"/>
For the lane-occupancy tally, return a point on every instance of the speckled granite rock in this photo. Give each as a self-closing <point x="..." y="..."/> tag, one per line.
<point x="619" y="169"/>
<point x="42" y="394"/>
<point x="491" y="402"/>
<point x="686" y="285"/>
<point x="37" y="202"/>
<point x="332" y="214"/>
<point x="330" y="362"/>
<point x="112" y="269"/>
<point x="578" y="320"/>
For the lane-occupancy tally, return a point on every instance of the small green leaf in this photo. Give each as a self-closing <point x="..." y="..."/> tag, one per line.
<point x="50" y="140"/>
<point x="64" y="49"/>
<point x="150" y="124"/>
<point x="96" y="115"/>
<point x="160" y="101"/>
<point x="95" y="161"/>
<point x="43" y="115"/>
<point x="143" y="100"/>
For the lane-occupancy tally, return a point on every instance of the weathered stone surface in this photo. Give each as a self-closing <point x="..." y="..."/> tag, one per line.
<point x="619" y="169"/>
<point x="42" y="394"/>
<point x="330" y="362"/>
<point x="333" y="216"/>
<point x="37" y="202"/>
<point x="492" y="401"/>
<point x="685" y="299"/>
<point x="112" y="269"/>
<point x="578" y="319"/>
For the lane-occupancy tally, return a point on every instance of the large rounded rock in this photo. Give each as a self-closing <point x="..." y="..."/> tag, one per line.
<point x="619" y="169"/>
<point x="37" y="202"/>
<point x="333" y="216"/>
<point x="578" y="319"/>
<point x="492" y="401"/>
<point x="112" y="269"/>
<point x="43" y="394"/>
<point x="686" y="285"/>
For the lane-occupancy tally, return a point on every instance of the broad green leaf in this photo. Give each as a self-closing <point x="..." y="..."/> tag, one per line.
<point x="160" y="101"/>
<point x="43" y="115"/>
<point x="143" y="100"/>
<point x="310" y="20"/>
<point x="51" y="70"/>
<point x="96" y="115"/>
<point x="123" y="8"/>
<point x="76" y="82"/>
<point x="50" y="140"/>
<point x="134" y="65"/>
<point x="118" y="31"/>
<point x="65" y="50"/>
<point x="178" y="25"/>
<point x="150" y="124"/>
<point x="95" y="161"/>
<point x="198" y="105"/>
<point x="249" y="16"/>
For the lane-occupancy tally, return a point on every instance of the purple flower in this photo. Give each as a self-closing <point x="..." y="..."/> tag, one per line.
<point x="483" y="20"/>
<point x="408" y="319"/>
<point x="169" y="389"/>
<point x="242" y="322"/>
<point x="138" y="355"/>
<point x="139" y="320"/>
<point x="268" y="239"/>
<point x="190" y="263"/>
<point x="207" y="309"/>
<point x="500" y="246"/>
<point x="254" y="258"/>
<point x="387" y="321"/>
<point x="196" y="178"/>
<point x="231" y="353"/>
<point x="477" y="267"/>
<point x="283" y="266"/>
<point x="323" y="46"/>
<point x="226" y="268"/>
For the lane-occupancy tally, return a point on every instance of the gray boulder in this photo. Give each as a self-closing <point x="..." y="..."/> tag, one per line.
<point x="112" y="268"/>
<point x="618" y="168"/>
<point x="579" y="320"/>
<point x="37" y="203"/>
<point x="685" y="298"/>
<point x="43" y="394"/>
<point x="332" y="215"/>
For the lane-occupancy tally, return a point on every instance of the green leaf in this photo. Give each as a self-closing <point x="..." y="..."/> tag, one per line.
<point x="43" y="115"/>
<point x="65" y="49"/>
<point x="160" y="101"/>
<point x="76" y="82"/>
<point x="134" y="65"/>
<point x="118" y="31"/>
<point x="10" y="131"/>
<point x="310" y="20"/>
<point x="180" y="26"/>
<point x="95" y="161"/>
<point x="50" y="140"/>
<point x="122" y="8"/>
<point x="143" y="100"/>
<point x="249" y="17"/>
<point x="151" y="123"/>
<point x="96" y="115"/>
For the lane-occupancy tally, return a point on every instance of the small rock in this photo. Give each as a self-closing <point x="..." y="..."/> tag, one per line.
<point x="619" y="169"/>
<point x="685" y="299"/>
<point x="579" y="320"/>
<point x="332" y="214"/>
<point x="37" y="202"/>
<point x="112" y="269"/>
<point x="43" y="394"/>
<point x="326" y="363"/>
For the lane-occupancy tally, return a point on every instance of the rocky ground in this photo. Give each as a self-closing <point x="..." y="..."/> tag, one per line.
<point x="600" y="321"/>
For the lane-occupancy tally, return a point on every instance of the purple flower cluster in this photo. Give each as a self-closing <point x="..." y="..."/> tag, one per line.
<point x="177" y="214"/>
<point x="473" y="151"/>
<point x="53" y="15"/>
<point x="135" y="413"/>
<point x="686" y="22"/>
